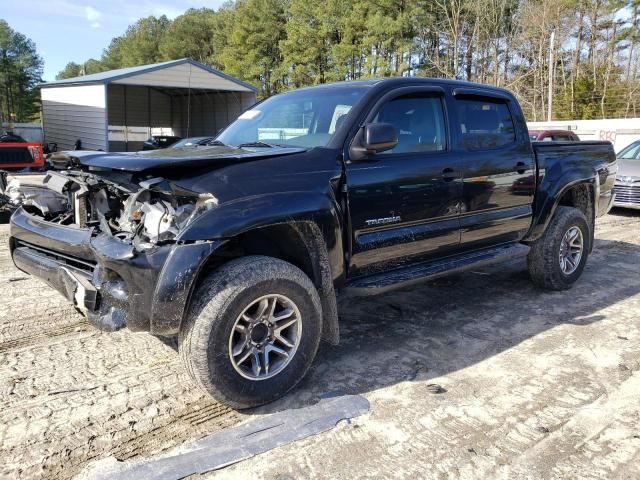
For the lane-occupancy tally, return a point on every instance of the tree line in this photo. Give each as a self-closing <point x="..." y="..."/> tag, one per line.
<point x="283" y="44"/>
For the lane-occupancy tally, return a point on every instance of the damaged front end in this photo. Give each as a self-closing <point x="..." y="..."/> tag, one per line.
<point x="141" y="214"/>
<point x="13" y="194"/>
<point x="108" y="242"/>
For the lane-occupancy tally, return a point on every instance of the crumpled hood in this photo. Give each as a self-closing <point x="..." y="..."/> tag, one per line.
<point x="208" y="156"/>
<point x="628" y="168"/>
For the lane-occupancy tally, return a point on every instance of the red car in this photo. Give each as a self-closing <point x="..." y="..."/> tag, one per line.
<point x="553" y="136"/>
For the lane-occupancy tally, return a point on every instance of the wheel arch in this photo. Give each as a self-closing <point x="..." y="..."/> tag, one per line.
<point x="578" y="193"/>
<point x="300" y="243"/>
<point x="302" y="228"/>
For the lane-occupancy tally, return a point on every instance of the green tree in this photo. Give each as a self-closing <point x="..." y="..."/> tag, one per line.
<point x="349" y="48"/>
<point x="112" y="55"/>
<point x="307" y="47"/>
<point x="253" y="48"/>
<point x="20" y="74"/>
<point x="190" y="35"/>
<point x="140" y="45"/>
<point x="222" y="25"/>
<point x="73" y="69"/>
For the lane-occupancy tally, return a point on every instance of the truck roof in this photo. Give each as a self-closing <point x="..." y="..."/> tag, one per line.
<point x="401" y="81"/>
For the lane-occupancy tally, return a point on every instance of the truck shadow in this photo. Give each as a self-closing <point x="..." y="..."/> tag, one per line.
<point x="447" y="325"/>
<point x="624" y="212"/>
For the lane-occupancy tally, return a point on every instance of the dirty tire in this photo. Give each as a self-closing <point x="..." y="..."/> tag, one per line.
<point x="543" y="259"/>
<point x="219" y="300"/>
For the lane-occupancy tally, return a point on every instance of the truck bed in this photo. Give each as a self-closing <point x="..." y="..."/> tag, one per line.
<point x="562" y="164"/>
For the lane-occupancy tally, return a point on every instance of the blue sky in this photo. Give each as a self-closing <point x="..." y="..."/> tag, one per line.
<point x="72" y="30"/>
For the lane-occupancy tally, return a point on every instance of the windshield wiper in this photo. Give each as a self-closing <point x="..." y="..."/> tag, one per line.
<point x="257" y="144"/>
<point x="216" y="143"/>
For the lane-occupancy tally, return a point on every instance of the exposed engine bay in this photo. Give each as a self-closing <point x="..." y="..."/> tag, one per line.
<point x="142" y="213"/>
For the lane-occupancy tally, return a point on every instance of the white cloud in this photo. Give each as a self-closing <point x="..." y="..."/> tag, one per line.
<point x="93" y="16"/>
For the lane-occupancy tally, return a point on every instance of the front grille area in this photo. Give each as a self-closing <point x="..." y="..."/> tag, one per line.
<point x="627" y="192"/>
<point x="10" y="155"/>
<point x="79" y="265"/>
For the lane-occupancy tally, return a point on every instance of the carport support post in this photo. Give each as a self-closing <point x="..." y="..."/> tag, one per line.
<point x="126" y="128"/>
<point x="171" y="114"/>
<point x="149" y="109"/>
<point x="551" y="71"/>
<point x="107" y="147"/>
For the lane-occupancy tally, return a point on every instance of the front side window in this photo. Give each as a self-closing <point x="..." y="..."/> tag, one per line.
<point x="303" y="118"/>
<point x="484" y="124"/>
<point x="419" y="121"/>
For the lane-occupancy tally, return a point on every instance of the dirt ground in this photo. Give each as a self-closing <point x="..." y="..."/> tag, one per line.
<point x="475" y="376"/>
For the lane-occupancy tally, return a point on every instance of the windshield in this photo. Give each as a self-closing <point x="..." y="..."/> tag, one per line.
<point x="632" y="152"/>
<point x="304" y="118"/>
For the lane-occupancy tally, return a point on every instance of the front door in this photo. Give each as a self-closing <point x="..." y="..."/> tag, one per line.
<point x="404" y="203"/>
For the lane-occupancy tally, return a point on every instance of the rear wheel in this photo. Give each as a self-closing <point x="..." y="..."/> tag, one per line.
<point x="556" y="259"/>
<point x="252" y="331"/>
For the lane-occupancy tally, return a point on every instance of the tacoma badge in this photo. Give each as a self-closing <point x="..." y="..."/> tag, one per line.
<point x="384" y="220"/>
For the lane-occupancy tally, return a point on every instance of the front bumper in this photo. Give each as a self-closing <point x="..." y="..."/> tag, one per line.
<point x="107" y="279"/>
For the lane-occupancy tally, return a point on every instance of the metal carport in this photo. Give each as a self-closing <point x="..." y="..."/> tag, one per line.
<point x="119" y="109"/>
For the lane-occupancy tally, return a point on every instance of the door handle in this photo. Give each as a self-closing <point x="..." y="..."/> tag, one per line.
<point x="448" y="174"/>
<point x="521" y="167"/>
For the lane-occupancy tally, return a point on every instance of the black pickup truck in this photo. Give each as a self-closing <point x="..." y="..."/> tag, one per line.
<point x="243" y="248"/>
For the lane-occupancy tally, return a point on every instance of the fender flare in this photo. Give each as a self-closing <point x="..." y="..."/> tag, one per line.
<point x="550" y="203"/>
<point x="313" y="216"/>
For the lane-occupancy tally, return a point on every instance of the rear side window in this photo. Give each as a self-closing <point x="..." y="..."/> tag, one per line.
<point x="484" y="124"/>
<point x="419" y="121"/>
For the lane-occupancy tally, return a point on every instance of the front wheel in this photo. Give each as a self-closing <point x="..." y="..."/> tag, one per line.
<point x="556" y="259"/>
<point x="252" y="331"/>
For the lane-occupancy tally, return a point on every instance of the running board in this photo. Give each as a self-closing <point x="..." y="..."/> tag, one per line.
<point x="420" y="272"/>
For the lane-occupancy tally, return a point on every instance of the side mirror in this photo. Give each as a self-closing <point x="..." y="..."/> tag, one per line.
<point x="373" y="138"/>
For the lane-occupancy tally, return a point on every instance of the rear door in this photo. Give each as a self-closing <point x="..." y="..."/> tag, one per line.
<point x="404" y="203"/>
<point x="498" y="169"/>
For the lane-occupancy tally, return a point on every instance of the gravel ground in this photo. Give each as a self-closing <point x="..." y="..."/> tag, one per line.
<point x="478" y="375"/>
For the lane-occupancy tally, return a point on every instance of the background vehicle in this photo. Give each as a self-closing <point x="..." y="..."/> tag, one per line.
<point x="242" y="248"/>
<point x="10" y="137"/>
<point x="159" y="141"/>
<point x="627" y="187"/>
<point x="553" y="136"/>
<point x="21" y="156"/>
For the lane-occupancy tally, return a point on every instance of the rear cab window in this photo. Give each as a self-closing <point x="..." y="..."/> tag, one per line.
<point x="562" y="137"/>
<point x="484" y="123"/>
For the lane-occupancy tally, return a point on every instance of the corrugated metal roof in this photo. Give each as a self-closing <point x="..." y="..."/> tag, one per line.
<point x="122" y="73"/>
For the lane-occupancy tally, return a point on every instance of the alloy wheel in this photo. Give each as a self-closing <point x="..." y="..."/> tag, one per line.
<point x="571" y="250"/>
<point x="265" y="337"/>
